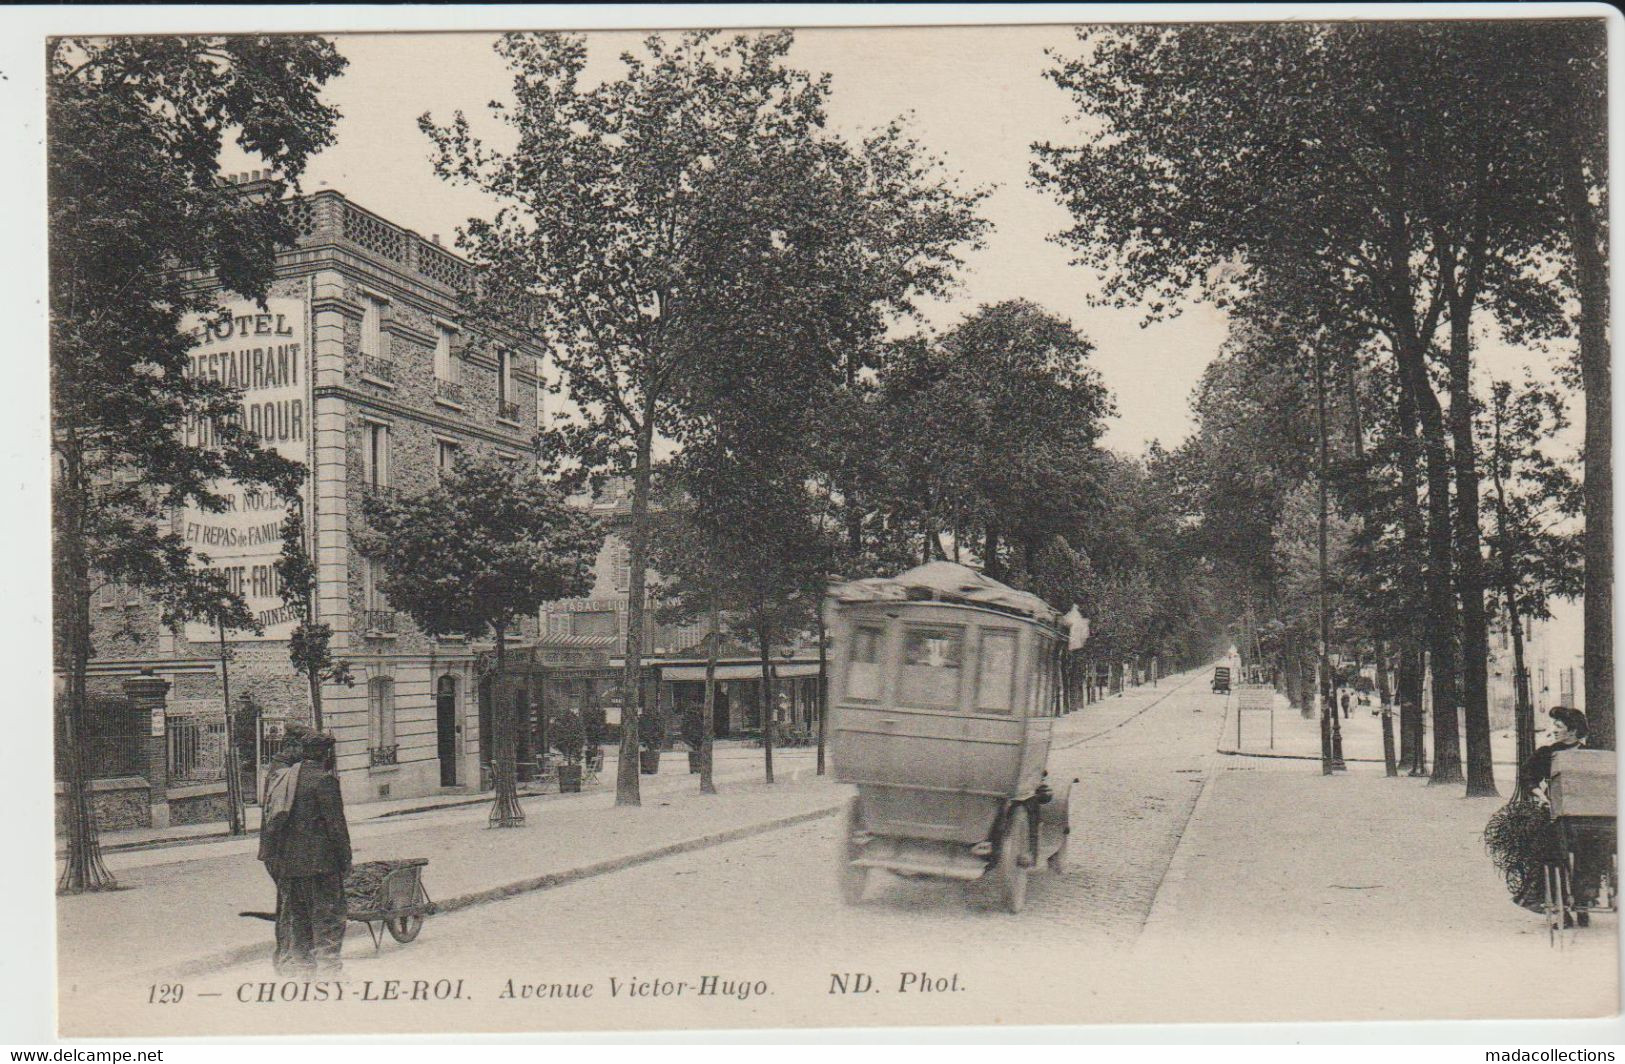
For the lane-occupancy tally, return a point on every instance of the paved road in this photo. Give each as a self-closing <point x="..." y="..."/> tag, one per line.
<point x="762" y="918"/>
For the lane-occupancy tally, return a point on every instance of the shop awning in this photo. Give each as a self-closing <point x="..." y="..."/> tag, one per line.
<point x="577" y="641"/>
<point x="697" y="672"/>
<point x="736" y="672"/>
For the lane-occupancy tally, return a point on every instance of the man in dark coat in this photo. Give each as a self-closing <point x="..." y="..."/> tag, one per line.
<point x="311" y="852"/>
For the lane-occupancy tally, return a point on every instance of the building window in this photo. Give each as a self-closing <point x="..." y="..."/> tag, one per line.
<point x="372" y="326"/>
<point x="623" y="565"/>
<point x="381" y="720"/>
<point x="504" y="368"/>
<point x="446" y="365"/>
<point x="445" y="457"/>
<point x="375" y="455"/>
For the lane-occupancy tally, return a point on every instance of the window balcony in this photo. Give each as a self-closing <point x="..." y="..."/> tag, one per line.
<point x="448" y="392"/>
<point x="382" y="755"/>
<point x="378" y="622"/>
<point x="378" y="369"/>
<point x="508" y="412"/>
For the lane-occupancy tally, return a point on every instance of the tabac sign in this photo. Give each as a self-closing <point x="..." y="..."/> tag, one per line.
<point x="265" y="354"/>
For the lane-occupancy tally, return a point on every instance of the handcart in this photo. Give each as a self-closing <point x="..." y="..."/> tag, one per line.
<point x="1584" y="807"/>
<point x="398" y="902"/>
<point x="384" y="895"/>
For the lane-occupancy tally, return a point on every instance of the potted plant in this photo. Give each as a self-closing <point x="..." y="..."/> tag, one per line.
<point x="569" y="738"/>
<point x="693" y="733"/>
<point x="652" y="734"/>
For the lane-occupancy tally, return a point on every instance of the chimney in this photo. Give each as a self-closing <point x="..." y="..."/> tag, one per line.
<point x="436" y="239"/>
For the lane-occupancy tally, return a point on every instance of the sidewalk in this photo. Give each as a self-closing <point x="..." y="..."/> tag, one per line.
<point x="1297" y="736"/>
<point x="1356" y="897"/>
<point x="179" y="915"/>
<point x="731" y="760"/>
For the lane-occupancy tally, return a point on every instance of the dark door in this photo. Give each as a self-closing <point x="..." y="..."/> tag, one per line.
<point x="446" y="729"/>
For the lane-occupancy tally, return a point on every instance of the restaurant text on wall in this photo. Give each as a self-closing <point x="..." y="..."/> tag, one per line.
<point x="264" y="354"/>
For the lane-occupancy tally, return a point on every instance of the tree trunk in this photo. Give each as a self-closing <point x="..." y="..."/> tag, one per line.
<point x="84" y="870"/>
<point x="1475" y="643"/>
<point x="1591" y="276"/>
<point x="626" y="769"/>
<point x="505" y="811"/>
<point x="764" y="644"/>
<point x="234" y="783"/>
<point x="1523" y="712"/>
<point x="990" y="554"/>
<point x="713" y="618"/>
<point x="1409" y="681"/>
<point x="1441" y="601"/>
<point x="316" y="700"/>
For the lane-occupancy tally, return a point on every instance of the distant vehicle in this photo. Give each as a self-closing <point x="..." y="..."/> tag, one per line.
<point x="945" y="689"/>
<point x="1221" y="680"/>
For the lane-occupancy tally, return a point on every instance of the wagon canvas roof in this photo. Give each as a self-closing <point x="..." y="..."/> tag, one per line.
<point x="947" y="582"/>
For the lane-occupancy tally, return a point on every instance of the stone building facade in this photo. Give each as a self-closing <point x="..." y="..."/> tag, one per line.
<point x="367" y="376"/>
<point x="577" y="659"/>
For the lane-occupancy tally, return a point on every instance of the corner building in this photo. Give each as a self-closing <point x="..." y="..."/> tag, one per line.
<point x="358" y="368"/>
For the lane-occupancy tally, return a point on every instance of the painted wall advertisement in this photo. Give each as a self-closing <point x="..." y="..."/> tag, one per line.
<point x="266" y="354"/>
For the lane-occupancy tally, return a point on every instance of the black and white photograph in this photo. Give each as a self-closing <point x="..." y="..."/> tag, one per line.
<point x="1045" y="517"/>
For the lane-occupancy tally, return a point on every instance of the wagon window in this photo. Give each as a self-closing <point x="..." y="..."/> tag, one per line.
<point x="997" y="673"/>
<point x="930" y="675"/>
<point x="863" y="674"/>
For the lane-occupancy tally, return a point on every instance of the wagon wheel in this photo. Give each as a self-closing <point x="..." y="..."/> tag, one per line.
<point x="854" y="880"/>
<point x="404" y="928"/>
<point x="1015" y="856"/>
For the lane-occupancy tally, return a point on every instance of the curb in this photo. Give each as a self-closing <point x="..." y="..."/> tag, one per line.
<point x="1176" y="870"/>
<point x="243" y="954"/>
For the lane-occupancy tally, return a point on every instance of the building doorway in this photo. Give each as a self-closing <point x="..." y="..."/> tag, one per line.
<point x="445" y="704"/>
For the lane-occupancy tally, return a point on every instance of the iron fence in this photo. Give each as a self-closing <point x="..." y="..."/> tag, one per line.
<point x="197" y="748"/>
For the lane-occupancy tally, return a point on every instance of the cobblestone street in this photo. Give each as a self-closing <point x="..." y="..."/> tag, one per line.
<point x="765" y="909"/>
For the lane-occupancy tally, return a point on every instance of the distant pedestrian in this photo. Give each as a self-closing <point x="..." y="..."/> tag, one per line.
<point x="1345" y="704"/>
<point x="309" y="852"/>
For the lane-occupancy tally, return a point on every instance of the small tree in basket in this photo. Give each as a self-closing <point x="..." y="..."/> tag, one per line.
<point x="569" y="739"/>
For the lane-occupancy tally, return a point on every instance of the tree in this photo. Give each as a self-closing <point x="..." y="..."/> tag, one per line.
<point x="137" y="126"/>
<point x="486" y="546"/>
<point x="1354" y="155"/>
<point x="641" y="210"/>
<point x="310" y="642"/>
<point x="1533" y="555"/>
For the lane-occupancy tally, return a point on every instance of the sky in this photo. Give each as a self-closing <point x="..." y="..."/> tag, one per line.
<point x="974" y="96"/>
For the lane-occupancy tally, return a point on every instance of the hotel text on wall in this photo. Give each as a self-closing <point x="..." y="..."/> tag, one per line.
<point x="265" y="354"/>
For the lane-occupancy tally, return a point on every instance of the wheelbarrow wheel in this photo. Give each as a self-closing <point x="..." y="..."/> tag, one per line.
<point x="854" y="880"/>
<point x="404" y="928"/>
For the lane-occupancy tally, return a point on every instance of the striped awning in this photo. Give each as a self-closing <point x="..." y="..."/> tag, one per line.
<point x="596" y="642"/>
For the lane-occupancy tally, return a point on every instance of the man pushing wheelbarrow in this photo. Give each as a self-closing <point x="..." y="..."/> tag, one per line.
<point x="305" y="844"/>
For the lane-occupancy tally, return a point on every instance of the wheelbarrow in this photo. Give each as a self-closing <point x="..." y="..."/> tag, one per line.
<point x="384" y="895"/>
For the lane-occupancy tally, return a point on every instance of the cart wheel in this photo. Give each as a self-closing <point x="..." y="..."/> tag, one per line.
<point x="854" y="880"/>
<point x="404" y="928"/>
<point x="1012" y="869"/>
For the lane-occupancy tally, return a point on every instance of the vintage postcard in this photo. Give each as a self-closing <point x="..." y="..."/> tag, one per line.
<point x="571" y="528"/>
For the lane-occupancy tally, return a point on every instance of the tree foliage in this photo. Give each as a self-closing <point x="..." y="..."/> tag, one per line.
<point x="137" y="127"/>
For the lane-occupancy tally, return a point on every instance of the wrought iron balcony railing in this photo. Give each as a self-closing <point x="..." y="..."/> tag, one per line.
<point x="508" y="411"/>
<point x="379" y="622"/>
<point x="450" y="391"/>
<point x="383" y="755"/>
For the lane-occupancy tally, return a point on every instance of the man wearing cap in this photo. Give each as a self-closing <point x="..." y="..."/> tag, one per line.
<point x="308" y="857"/>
